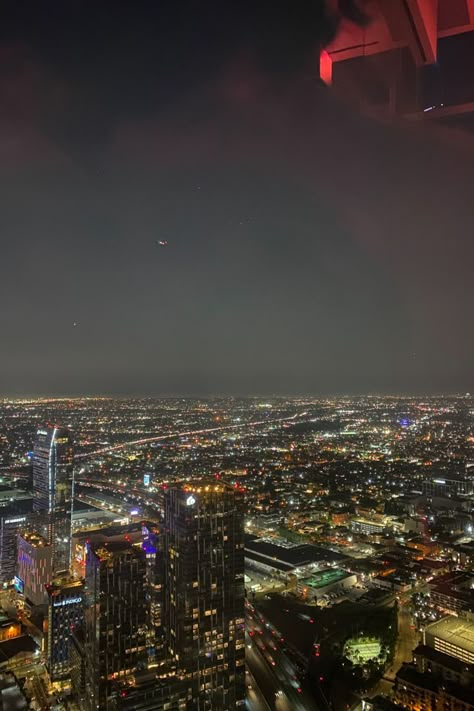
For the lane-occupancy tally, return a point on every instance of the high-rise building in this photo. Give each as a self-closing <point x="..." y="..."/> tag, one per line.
<point x="151" y="548"/>
<point x="116" y="620"/>
<point x="53" y="490"/>
<point x="203" y="592"/>
<point x="34" y="568"/>
<point x="164" y="618"/>
<point x="65" y="613"/>
<point x="13" y="519"/>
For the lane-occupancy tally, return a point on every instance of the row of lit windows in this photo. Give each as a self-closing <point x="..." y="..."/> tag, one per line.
<point x="454" y="651"/>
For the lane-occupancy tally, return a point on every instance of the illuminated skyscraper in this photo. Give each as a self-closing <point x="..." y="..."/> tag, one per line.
<point x="65" y="614"/>
<point x="115" y="620"/>
<point x="203" y="592"/>
<point x="53" y="490"/>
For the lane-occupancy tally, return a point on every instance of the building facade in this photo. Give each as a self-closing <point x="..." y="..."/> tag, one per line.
<point x="65" y="613"/>
<point x="13" y="519"/>
<point x="35" y="567"/>
<point x="53" y="490"/>
<point x="203" y="586"/>
<point x="115" y="620"/>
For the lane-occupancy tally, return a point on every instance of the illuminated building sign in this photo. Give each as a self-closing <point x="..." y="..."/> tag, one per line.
<point x="69" y="601"/>
<point x="190" y="501"/>
<point x="146" y="479"/>
<point x="15" y="520"/>
<point x="18" y="584"/>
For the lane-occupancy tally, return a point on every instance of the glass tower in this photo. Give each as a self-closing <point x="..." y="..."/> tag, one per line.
<point x="116" y="617"/>
<point x="53" y="490"/>
<point x="203" y="592"/>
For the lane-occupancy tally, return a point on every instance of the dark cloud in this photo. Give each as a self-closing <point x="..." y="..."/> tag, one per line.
<point x="310" y="249"/>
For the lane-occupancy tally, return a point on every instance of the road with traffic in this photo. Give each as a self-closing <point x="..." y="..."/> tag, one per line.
<point x="276" y="675"/>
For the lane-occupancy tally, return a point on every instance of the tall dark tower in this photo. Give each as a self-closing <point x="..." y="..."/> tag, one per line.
<point x="203" y="592"/>
<point x="115" y="620"/>
<point x="53" y="490"/>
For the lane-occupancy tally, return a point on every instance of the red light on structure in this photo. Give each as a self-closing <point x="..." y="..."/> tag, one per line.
<point x="325" y="67"/>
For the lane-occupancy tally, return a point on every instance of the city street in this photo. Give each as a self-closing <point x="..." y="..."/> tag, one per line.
<point x="408" y="639"/>
<point x="275" y="674"/>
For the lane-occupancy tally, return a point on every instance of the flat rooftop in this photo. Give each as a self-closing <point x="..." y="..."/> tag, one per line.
<point x="454" y="630"/>
<point x="296" y="555"/>
<point x="325" y="577"/>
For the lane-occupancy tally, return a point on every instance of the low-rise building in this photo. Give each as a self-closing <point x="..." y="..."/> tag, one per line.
<point x="396" y="582"/>
<point x="325" y="582"/>
<point x="453" y="636"/>
<point x="453" y="592"/>
<point x="422" y="690"/>
<point x="281" y="558"/>
<point x="9" y="629"/>
<point x="14" y="652"/>
<point x="368" y="527"/>
<point x="427" y="659"/>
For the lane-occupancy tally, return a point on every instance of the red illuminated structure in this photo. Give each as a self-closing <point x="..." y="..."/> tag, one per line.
<point x="414" y="58"/>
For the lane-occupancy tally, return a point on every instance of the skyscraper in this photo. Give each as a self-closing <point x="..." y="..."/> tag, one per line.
<point x="65" y="614"/>
<point x="53" y="490"/>
<point x="164" y="620"/>
<point x="203" y="591"/>
<point x="116" y="617"/>
<point x="34" y="567"/>
<point x="13" y="518"/>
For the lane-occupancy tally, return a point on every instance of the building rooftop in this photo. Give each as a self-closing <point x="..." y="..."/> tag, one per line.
<point x="8" y="622"/>
<point x="11" y="696"/>
<point x="63" y="584"/>
<point x="35" y="539"/>
<point x="325" y="577"/>
<point x="454" y="630"/>
<point x="11" y="647"/>
<point x="277" y="564"/>
<point x="294" y="556"/>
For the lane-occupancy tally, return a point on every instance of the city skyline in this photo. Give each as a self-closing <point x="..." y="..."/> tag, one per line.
<point x="236" y="381"/>
<point x="301" y="552"/>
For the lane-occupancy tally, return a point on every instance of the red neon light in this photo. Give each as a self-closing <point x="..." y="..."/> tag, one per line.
<point x="325" y="67"/>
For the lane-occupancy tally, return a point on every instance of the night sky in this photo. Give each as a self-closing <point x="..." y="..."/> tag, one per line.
<point x="310" y="250"/>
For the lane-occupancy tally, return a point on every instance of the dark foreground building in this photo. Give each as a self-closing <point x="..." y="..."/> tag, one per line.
<point x="164" y="620"/>
<point x="203" y="586"/>
<point x="115" y="620"/>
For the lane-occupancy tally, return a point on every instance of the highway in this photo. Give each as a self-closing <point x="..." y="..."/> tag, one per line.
<point x="169" y="435"/>
<point x="188" y="433"/>
<point x="255" y="698"/>
<point x="273" y="671"/>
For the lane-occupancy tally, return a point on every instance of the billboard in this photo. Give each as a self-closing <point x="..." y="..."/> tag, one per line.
<point x="18" y="584"/>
